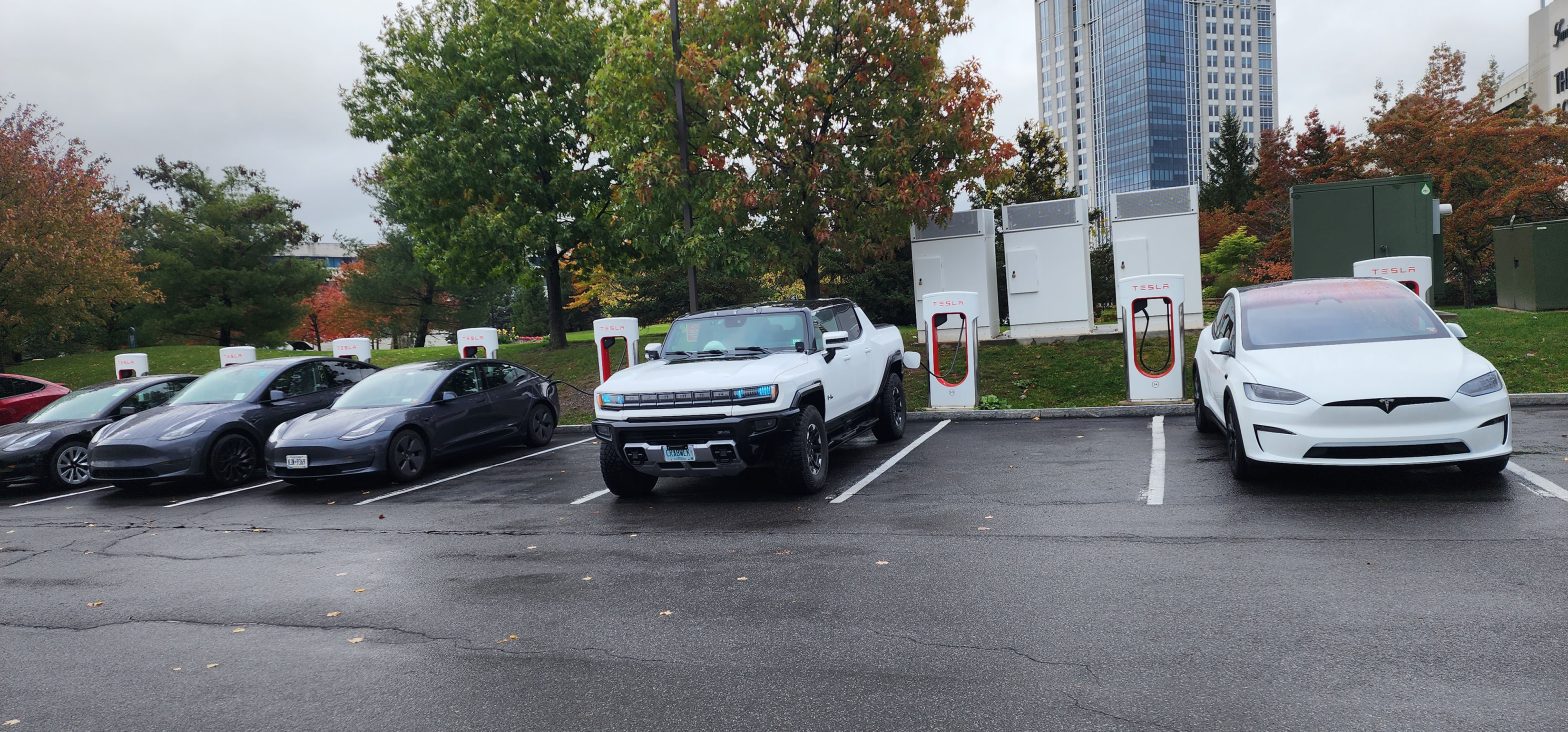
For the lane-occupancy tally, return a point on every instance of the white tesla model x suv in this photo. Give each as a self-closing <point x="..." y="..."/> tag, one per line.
<point x="1346" y="372"/>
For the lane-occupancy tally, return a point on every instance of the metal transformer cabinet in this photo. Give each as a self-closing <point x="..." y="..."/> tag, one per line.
<point x="1334" y="225"/>
<point x="1047" y="275"/>
<point x="1156" y="232"/>
<point x="1532" y="265"/>
<point x="960" y="256"/>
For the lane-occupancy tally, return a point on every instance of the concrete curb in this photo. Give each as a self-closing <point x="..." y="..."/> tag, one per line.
<point x="1125" y="410"/>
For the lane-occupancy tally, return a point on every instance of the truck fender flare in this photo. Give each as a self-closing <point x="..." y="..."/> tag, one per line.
<point x="814" y="387"/>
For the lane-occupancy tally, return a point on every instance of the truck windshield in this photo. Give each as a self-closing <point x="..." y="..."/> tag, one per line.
<point x="732" y="334"/>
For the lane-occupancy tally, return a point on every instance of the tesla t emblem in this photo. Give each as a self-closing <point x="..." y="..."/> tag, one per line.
<point x="1388" y="404"/>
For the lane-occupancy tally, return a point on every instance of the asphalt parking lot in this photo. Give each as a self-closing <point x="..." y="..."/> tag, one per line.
<point x="1049" y="575"/>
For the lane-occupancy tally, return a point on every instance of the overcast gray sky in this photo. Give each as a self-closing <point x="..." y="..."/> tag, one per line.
<point x="255" y="82"/>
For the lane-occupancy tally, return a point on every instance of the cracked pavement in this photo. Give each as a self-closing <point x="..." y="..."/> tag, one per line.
<point x="1003" y="576"/>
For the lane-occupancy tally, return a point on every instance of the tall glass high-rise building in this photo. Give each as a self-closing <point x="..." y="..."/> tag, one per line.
<point x="1136" y="89"/>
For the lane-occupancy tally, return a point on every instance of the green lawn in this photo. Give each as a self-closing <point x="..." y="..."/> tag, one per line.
<point x="1531" y="350"/>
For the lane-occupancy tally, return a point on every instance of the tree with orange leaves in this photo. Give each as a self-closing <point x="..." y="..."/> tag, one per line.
<point x="329" y="314"/>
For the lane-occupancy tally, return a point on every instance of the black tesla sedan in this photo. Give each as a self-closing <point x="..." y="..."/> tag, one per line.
<point x="51" y="445"/>
<point x="396" y="420"/>
<point x="216" y="426"/>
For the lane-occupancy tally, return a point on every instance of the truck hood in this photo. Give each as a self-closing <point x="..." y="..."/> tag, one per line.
<point x="1434" y="367"/>
<point x="697" y="374"/>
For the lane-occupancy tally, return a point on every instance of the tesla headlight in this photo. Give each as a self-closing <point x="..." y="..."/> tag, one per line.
<point x="28" y="440"/>
<point x="365" y="430"/>
<point x="755" y="394"/>
<point x="277" y="432"/>
<point x="183" y="431"/>
<point x="1482" y="385"/>
<point x="107" y="430"/>
<point x="1273" y="394"/>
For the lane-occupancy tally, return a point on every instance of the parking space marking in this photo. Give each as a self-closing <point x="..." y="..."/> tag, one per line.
<point x="470" y="472"/>
<point x="1155" y="493"/>
<point x="56" y="498"/>
<point x="241" y="489"/>
<point x="890" y="462"/>
<point x="590" y="496"/>
<point x="1540" y="486"/>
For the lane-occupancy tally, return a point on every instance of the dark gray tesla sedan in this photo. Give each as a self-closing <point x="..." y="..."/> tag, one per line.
<point x="216" y="426"/>
<point x="51" y="444"/>
<point x="395" y="421"/>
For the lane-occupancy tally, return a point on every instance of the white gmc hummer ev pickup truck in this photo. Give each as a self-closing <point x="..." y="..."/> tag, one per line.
<point x="777" y="384"/>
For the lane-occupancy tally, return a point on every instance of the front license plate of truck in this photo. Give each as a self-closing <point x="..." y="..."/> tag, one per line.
<point x="679" y="455"/>
<point x="297" y="462"/>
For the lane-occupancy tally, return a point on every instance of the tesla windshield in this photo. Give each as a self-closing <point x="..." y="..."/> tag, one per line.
<point x="727" y="334"/>
<point x="81" y="404"/>
<point x="392" y="388"/>
<point x="1335" y="312"/>
<point x="230" y="384"/>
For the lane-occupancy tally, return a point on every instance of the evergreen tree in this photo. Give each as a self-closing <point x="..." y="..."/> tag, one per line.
<point x="1233" y="169"/>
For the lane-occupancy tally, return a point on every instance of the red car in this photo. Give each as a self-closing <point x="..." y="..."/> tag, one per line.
<point x="20" y="396"/>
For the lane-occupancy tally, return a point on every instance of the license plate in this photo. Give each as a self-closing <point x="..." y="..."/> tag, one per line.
<point x="296" y="462"/>
<point x="679" y="455"/>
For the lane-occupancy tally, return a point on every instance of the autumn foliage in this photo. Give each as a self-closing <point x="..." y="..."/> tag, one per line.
<point x="329" y="314"/>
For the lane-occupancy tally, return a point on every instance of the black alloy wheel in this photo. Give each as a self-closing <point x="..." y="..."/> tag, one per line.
<point x="1200" y="413"/>
<point x="407" y="455"/>
<point x="1241" y="467"/>
<point x="540" y="427"/>
<point x="233" y="460"/>
<point x="69" y="467"/>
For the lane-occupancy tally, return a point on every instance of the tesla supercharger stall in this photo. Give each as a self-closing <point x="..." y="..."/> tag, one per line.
<point x="1047" y="273"/>
<point x="477" y="343"/>
<point x="130" y="365"/>
<point x="236" y="355"/>
<point x="357" y="349"/>
<point x="611" y="336"/>
<point x="953" y="348"/>
<point x="957" y="257"/>
<point x="1412" y="272"/>
<point x="1154" y="232"/>
<point x="1150" y="308"/>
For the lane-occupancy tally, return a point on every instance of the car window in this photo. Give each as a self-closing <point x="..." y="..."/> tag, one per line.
<point x="347" y="373"/>
<point x="465" y="380"/>
<point x="500" y="374"/>
<point x="155" y="395"/>
<point x="848" y="321"/>
<point x="1225" y="319"/>
<point x="306" y="378"/>
<point x="16" y="387"/>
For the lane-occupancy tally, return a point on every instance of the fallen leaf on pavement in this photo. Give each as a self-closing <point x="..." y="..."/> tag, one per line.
<point x="881" y="562"/>
<point x="1035" y="419"/>
<point x="382" y="516"/>
<point x="238" y="630"/>
<point x="533" y="547"/>
<point x="258" y="531"/>
<point x="177" y="668"/>
<point x="359" y="589"/>
<point x="666" y="613"/>
<point x="589" y="578"/>
<point x="334" y="613"/>
<point x="357" y="639"/>
<point x="95" y="603"/>
<point x="983" y="528"/>
<point x="212" y="665"/>
<point x="10" y="723"/>
<point x="990" y="517"/>
<point x="509" y="638"/>
<point x="332" y="503"/>
<point x="342" y="574"/>
<point x="740" y="579"/>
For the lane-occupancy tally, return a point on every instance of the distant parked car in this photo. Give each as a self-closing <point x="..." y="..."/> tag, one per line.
<point x="216" y="426"/>
<point x="20" y="396"/>
<point x="396" y="420"/>
<point x="51" y="445"/>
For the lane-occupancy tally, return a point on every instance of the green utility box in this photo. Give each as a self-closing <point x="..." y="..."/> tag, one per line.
<point x="1532" y="265"/>
<point x="1335" y="225"/>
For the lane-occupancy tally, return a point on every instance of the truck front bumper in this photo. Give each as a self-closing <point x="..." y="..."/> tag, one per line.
<point x="720" y="446"/>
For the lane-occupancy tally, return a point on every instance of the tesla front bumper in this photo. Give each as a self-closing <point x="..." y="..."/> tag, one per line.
<point x="327" y="457"/>
<point x="1369" y="432"/>
<point x="125" y="462"/>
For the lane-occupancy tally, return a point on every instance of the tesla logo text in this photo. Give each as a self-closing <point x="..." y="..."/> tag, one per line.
<point x="1150" y="288"/>
<point x="474" y="338"/>
<point x="1393" y="270"/>
<point x="948" y="303"/>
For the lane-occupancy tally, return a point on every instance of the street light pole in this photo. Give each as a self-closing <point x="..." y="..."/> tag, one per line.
<point x="684" y="143"/>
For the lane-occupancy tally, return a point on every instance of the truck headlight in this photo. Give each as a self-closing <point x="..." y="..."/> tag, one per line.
<point x="1482" y="385"/>
<point x="756" y="394"/>
<point x="612" y="401"/>
<point x="1273" y="394"/>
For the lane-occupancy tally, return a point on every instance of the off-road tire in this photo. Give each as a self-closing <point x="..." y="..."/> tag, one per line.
<point x="891" y="410"/>
<point x="803" y="459"/>
<point x="620" y="478"/>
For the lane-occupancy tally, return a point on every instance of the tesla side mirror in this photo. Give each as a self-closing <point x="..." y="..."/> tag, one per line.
<point x="1457" y="330"/>
<point x="653" y="351"/>
<point x="446" y="396"/>
<point x="836" y="339"/>
<point x="125" y="411"/>
<point x="276" y="395"/>
<point x="911" y="360"/>
<point x="1222" y="347"/>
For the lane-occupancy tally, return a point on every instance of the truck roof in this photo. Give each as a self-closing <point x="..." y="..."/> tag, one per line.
<point x="777" y="306"/>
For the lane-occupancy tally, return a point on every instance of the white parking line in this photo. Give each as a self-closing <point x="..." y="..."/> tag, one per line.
<point x="590" y="496"/>
<point x="1155" y="493"/>
<point x="241" y="489"/>
<point x="1542" y="487"/>
<point x="468" y="473"/>
<point x="56" y="498"/>
<point x="890" y="462"/>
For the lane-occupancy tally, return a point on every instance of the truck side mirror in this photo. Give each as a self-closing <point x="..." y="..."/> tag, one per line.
<point x="1457" y="330"/>
<point x="653" y="351"/>
<point x="836" y="340"/>
<point x="1222" y="347"/>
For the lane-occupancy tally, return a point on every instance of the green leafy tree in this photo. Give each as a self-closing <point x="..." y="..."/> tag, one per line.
<point x="481" y="104"/>
<point x="215" y="250"/>
<point x="815" y="126"/>
<point x="1233" y="169"/>
<point x="1227" y="264"/>
<point x="401" y="296"/>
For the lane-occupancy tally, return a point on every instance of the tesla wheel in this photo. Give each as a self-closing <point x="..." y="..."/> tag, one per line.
<point x="68" y="465"/>
<point x="1205" y="421"/>
<point x="407" y="455"/>
<point x="540" y="426"/>
<point x="1241" y="466"/>
<point x="891" y="410"/>
<point x="803" y="466"/>
<point x="1489" y="466"/>
<point x="620" y="478"/>
<point x="232" y="460"/>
